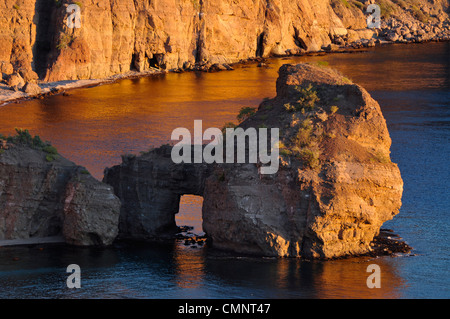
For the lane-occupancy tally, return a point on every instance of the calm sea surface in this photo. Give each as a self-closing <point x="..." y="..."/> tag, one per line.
<point x="93" y="127"/>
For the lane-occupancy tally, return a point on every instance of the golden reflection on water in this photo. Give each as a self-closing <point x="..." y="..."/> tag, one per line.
<point x="94" y="126"/>
<point x="189" y="264"/>
<point x="347" y="279"/>
<point x="286" y="277"/>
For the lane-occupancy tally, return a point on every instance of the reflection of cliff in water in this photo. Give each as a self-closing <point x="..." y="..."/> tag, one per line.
<point x="302" y="279"/>
<point x="159" y="271"/>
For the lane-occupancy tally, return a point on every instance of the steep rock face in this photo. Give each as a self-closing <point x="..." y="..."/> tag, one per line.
<point x="41" y="198"/>
<point x="91" y="211"/>
<point x="150" y="187"/>
<point x="119" y="35"/>
<point x="337" y="184"/>
<point x="18" y="35"/>
<point x="335" y="187"/>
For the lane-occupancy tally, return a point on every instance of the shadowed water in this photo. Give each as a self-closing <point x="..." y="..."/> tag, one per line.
<point x="93" y="127"/>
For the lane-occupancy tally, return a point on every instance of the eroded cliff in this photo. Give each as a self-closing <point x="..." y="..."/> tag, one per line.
<point x="335" y="187"/>
<point x="42" y="194"/>
<point x="117" y="36"/>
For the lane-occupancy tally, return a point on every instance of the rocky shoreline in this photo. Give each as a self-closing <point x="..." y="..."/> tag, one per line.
<point x="386" y="243"/>
<point x="335" y="187"/>
<point x="41" y="90"/>
<point x="407" y="26"/>
<point x="19" y="92"/>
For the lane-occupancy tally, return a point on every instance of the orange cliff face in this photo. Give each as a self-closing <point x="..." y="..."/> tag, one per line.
<point x="117" y="36"/>
<point x="335" y="188"/>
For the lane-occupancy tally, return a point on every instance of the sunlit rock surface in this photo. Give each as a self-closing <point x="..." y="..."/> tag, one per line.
<point x="117" y="36"/>
<point x="335" y="187"/>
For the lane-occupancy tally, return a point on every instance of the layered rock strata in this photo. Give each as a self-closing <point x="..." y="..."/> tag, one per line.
<point x="116" y="36"/>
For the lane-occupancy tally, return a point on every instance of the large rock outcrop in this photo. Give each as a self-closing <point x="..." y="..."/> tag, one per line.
<point x="44" y="195"/>
<point x="335" y="187"/>
<point x="117" y="36"/>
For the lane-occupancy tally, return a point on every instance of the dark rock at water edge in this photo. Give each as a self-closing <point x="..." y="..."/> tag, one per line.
<point x="42" y="194"/>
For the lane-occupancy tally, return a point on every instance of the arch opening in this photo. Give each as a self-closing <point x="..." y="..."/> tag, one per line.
<point x="189" y="220"/>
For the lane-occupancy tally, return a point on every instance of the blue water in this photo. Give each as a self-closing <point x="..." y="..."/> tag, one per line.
<point x="421" y="146"/>
<point x="412" y="85"/>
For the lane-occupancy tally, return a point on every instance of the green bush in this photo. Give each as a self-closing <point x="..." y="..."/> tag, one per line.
<point x="322" y="64"/>
<point x="419" y="15"/>
<point x="346" y="80"/>
<point x="308" y="97"/>
<point x="283" y="150"/>
<point x="358" y="4"/>
<point x="288" y="107"/>
<point x="306" y="125"/>
<point x="50" y="150"/>
<point x="303" y="137"/>
<point x="23" y="137"/>
<point x="245" y="113"/>
<point x="345" y="3"/>
<point x="334" y="109"/>
<point x="50" y="157"/>
<point x="64" y="41"/>
<point x="386" y="7"/>
<point x="309" y="157"/>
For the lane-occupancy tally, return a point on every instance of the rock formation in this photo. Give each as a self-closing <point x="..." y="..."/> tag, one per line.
<point x="150" y="187"/>
<point x="335" y="187"/>
<point x="337" y="184"/>
<point x="117" y="36"/>
<point x="43" y="195"/>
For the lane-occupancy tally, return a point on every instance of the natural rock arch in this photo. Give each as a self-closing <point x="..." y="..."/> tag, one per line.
<point x="335" y="188"/>
<point x="150" y="187"/>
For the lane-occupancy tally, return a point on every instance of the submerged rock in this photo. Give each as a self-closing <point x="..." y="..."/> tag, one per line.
<point x="335" y="187"/>
<point x="43" y="194"/>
